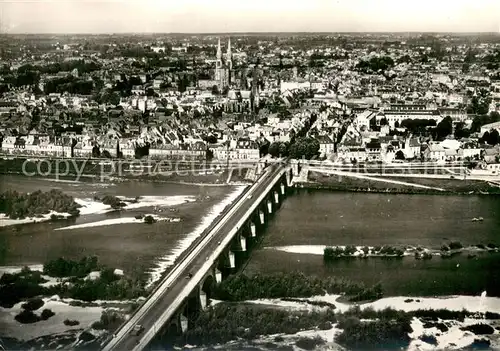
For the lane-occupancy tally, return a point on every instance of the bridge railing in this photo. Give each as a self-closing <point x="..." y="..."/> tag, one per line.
<point x="183" y="256"/>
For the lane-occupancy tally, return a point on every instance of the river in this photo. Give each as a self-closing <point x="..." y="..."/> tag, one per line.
<point x="310" y="219"/>
<point x="134" y="247"/>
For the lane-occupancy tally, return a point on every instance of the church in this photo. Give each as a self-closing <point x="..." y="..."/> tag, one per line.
<point x="223" y="67"/>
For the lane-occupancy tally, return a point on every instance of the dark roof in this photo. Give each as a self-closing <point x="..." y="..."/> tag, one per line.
<point x="8" y="104"/>
<point x="373" y="145"/>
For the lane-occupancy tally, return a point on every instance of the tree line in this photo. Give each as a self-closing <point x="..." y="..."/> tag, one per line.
<point x="17" y="205"/>
<point x="294" y="284"/>
<point x="107" y="286"/>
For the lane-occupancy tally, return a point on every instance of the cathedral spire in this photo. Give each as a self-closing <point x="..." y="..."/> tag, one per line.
<point x="219" y="51"/>
<point x="229" y="55"/>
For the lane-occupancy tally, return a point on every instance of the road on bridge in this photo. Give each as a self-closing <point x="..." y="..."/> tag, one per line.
<point x="124" y="340"/>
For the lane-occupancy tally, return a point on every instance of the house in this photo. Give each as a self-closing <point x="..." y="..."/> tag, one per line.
<point x="138" y="90"/>
<point x="451" y="154"/>
<point x="363" y="120"/>
<point x="456" y="114"/>
<point x="434" y="152"/>
<point x="351" y="153"/>
<point x="491" y="155"/>
<point x="373" y="150"/>
<point x="157" y="83"/>
<point x="326" y="145"/>
<point x="240" y="149"/>
<point x="467" y="152"/>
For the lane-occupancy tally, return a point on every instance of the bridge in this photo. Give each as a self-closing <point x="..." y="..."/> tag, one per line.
<point x="186" y="290"/>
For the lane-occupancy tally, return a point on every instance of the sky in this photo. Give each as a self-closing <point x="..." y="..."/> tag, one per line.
<point x="217" y="16"/>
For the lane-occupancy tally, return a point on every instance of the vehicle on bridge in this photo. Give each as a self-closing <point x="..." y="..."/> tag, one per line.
<point x="138" y="329"/>
<point x="189" y="276"/>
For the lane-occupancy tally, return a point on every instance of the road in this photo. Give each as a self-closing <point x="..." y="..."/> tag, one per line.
<point x="147" y="318"/>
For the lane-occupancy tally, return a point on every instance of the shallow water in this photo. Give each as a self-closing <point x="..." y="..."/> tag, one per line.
<point x="133" y="247"/>
<point x="336" y="218"/>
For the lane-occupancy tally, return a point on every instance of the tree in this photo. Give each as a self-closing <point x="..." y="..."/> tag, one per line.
<point x="460" y="131"/>
<point x="96" y="152"/>
<point x="465" y="67"/>
<point x="274" y="149"/>
<point x="493" y="138"/>
<point x="183" y="83"/>
<point x="417" y="126"/>
<point x="283" y="149"/>
<point x="494" y="116"/>
<point x="211" y="139"/>
<point x="113" y="98"/>
<point x="485" y="137"/>
<point x="209" y="155"/>
<point x="400" y="155"/>
<point x="307" y="148"/>
<point x="215" y="90"/>
<point x="480" y="102"/>
<point x="477" y="122"/>
<point x="376" y="64"/>
<point x="264" y="148"/>
<point x="480" y="121"/>
<point x="444" y="128"/>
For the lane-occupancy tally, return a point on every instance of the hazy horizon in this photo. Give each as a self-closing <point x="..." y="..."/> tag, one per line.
<point x="257" y="16"/>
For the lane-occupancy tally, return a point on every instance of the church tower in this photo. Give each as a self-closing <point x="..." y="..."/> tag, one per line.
<point x="219" y="56"/>
<point x="254" y="93"/>
<point x="223" y="66"/>
<point x="229" y="63"/>
<point x="229" y="55"/>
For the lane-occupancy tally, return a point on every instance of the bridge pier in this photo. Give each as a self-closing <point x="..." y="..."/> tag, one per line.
<point x="243" y="243"/>
<point x="282" y="187"/>
<point x="218" y="276"/>
<point x="261" y="217"/>
<point x="184" y="323"/>
<point x="276" y="197"/>
<point x="232" y="260"/>
<point x="269" y="207"/>
<point x="253" y="230"/>
<point x="203" y="299"/>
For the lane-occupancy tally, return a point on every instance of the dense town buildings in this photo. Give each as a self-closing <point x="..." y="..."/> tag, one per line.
<point x="421" y="97"/>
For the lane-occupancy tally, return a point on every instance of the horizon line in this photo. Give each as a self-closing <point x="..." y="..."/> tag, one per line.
<point x="253" y="32"/>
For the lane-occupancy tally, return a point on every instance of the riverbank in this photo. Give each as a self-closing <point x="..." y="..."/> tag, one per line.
<point x="63" y="301"/>
<point x="451" y="323"/>
<point x="108" y="170"/>
<point x="318" y="321"/>
<point x="320" y="181"/>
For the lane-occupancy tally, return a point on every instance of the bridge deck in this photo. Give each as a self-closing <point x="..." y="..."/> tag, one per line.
<point x="175" y="288"/>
